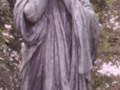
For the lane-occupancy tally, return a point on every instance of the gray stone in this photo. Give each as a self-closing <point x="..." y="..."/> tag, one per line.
<point x="60" y="39"/>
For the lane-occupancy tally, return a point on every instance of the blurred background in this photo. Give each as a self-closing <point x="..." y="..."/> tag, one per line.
<point x="106" y="72"/>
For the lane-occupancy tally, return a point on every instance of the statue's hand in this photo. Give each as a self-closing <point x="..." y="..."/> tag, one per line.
<point x="29" y="11"/>
<point x="34" y="9"/>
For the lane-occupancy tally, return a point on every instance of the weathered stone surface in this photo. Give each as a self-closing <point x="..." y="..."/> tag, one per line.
<point x="60" y="39"/>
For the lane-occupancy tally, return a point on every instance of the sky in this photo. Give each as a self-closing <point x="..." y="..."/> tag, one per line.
<point x="109" y="69"/>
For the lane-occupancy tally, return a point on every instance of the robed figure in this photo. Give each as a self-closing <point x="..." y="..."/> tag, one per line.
<point x="60" y="38"/>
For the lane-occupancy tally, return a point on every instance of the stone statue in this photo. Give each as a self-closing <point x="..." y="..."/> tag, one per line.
<point x="60" y="38"/>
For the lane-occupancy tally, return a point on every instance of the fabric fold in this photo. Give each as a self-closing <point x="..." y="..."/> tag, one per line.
<point x="59" y="47"/>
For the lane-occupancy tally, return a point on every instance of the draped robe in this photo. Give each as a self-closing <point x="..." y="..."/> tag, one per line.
<point x="60" y="39"/>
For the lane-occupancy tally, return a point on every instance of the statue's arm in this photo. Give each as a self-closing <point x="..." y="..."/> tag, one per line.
<point x="34" y="9"/>
<point x="94" y="26"/>
<point x="82" y="10"/>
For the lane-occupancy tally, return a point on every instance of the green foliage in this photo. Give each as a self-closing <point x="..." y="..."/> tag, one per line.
<point x="5" y="16"/>
<point x="9" y="50"/>
<point x="99" y="5"/>
<point x="108" y="51"/>
<point x="109" y="45"/>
